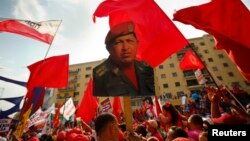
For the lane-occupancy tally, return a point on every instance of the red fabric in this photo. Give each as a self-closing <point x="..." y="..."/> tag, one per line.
<point x="51" y="72"/>
<point x="89" y="104"/>
<point x="56" y="119"/>
<point x="228" y="21"/>
<point x="130" y="73"/>
<point x="229" y="119"/>
<point x="190" y="61"/>
<point x="117" y="108"/>
<point x="18" y="27"/>
<point x="34" y="139"/>
<point x="158" y="36"/>
<point x="81" y="137"/>
<point x="157" y="105"/>
<point x="61" y="136"/>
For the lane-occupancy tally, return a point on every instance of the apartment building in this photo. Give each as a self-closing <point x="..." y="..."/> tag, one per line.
<point x="170" y="82"/>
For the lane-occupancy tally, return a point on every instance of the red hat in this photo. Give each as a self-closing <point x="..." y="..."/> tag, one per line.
<point x="61" y="136"/>
<point x="119" y="30"/>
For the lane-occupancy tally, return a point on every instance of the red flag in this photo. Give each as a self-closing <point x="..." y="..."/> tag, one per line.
<point x="117" y="108"/>
<point x="88" y="106"/>
<point x="56" y="119"/>
<point x="157" y="106"/>
<point x="51" y="72"/>
<point x="228" y="21"/>
<point x="190" y="61"/>
<point x="42" y="31"/>
<point x="159" y="38"/>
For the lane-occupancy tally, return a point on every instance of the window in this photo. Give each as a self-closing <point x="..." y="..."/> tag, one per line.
<point x="177" y="84"/>
<point x="174" y="74"/>
<point x="211" y="40"/>
<point x="215" y="68"/>
<point x="220" y="78"/>
<point x="221" y="55"/>
<point x="165" y="85"/>
<point x="205" y="51"/>
<point x="210" y="60"/>
<point x="168" y="95"/>
<point x="192" y="82"/>
<point x="87" y="75"/>
<point x="161" y="67"/>
<point x="231" y="74"/>
<point x="235" y="84"/>
<point x="88" y="68"/>
<point x="188" y="73"/>
<point x="180" y="56"/>
<point x="202" y="43"/>
<point x="163" y="75"/>
<point x="225" y="65"/>
<point x="171" y="65"/>
<point x="76" y="94"/>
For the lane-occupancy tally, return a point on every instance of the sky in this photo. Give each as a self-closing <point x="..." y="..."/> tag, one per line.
<point x="77" y="35"/>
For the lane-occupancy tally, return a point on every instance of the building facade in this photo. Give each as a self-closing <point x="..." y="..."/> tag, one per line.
<point x="170" y="82"/>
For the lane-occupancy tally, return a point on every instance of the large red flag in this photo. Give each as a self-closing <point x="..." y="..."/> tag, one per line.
<point x="89" y="104"/>
<point x="117" y="108"/>
<point x="51" y="72"/>
<point x="190" y="61"/>
<point x="42" y="31"/>
<point x="228" y="21"/>
<point x="159" y="38"/>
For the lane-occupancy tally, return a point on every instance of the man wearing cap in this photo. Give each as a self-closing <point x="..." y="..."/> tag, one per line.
<point x="121" y="74"/>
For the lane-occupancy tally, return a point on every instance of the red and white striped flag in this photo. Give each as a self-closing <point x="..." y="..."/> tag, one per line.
<point x="43" y="31"/>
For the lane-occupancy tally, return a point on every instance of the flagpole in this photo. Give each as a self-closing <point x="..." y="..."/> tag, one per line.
<point x="191" y="47"/>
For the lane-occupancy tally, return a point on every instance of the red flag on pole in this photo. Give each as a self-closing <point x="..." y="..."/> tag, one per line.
<point x="89" y="104"/>
<point x="228" y="21"/>
<point x="190" y="61"/>
<point x="158" y="36"/>
<point x="56" y="119"/>
<point x="42" y="31"/>
<point x="117" y="108"/>
<point x="51" y="72"/>
<point x="157" y="106"/>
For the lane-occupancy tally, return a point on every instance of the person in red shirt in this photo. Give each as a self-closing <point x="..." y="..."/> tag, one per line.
<point x="170" y="116"/>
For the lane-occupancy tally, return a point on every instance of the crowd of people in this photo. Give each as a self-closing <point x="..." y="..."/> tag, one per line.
<point x="170" y="125"/>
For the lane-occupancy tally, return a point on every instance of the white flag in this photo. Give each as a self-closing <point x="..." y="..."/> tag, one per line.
<point x="43" y="31"/>
<point x="68" y="109"/>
